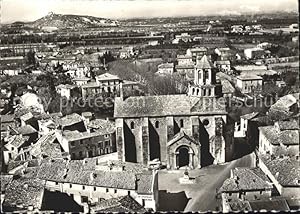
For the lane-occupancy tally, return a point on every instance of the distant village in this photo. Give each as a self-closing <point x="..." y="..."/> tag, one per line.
<point x="121" y="121"/>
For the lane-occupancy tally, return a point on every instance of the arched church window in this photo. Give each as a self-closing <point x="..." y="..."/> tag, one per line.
<point x="132" y="125"/>
<point x="181" y="123"/>
<point x="157" y="124"/>
<point x="197" y="91"/>
<point x="193" y="91"/>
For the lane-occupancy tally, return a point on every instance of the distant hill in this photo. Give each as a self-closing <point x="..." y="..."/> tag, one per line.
<point x="61" y="21"/>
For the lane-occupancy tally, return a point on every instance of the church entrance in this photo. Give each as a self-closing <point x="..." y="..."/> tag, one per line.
<point x="183" y="157"/>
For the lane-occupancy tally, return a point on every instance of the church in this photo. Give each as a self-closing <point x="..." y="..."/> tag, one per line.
<point x="184" y="130"/>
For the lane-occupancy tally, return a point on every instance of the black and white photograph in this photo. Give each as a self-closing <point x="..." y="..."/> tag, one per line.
<point x="140" y="106"/>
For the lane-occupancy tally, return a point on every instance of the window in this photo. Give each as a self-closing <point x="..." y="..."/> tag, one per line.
<point x="106" y="136"/>
<point x="181" y="123"/>
<point x="208" y="92"/>
<point x="205" y="122"/>
<point x="95" y="188"/>
<point x="100" y="144"/>
<point x="106" y="190"/>
<point x="205" y="75"/>
<point x="80" y="154"/>
<point x="132" y="125"/>
<point x="84" y="199"/>
<point x="230" y="194"/>
<point x="81" y="142"/>
<point x="83" y="187"/>
<point x="70" y="185"/>
<point x="157" y="124"/>
<point x="115" y="191"/>
<point x="106" y="143"/>
<point x="128" y="192"/>
<point x="56" y="183"/>
<point x="10" y="156"/>
<point x="72" y="143"/>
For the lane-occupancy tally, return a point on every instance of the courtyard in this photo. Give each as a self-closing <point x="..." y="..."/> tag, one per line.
<point x="200" y="196"/>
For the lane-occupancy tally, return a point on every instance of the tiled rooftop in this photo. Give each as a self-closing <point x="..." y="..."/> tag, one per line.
<point x="250" y="115"/>
<point x="285" y="102"/>
<point x="285" y="169"/>
<point x="17" y="140"/>
<point x="46" y="146"/>
<point x="107" y="76"/>
<point x="70" y="119"/>
<point x="246" y="179"/>
<point x="85" y="172"/>
<point x="227" y="86"/>
<point x="239" y="205"/>
<point x="7" y="118"/>
<point x="25" y="130"/>
<point x="271" y="204"/>
<point x="249" y="77"/>
<point x="165" y="105"/>
<point x="286" y="137"/>
<point x="5" y="180"/>
<point x="120" y="204"/>
<point x="76" y="135"/>
<point x="24" y="192"/>
<point x="288" y="125"/>
<point x="102" y="126"/>
<point x="166" y="65"/>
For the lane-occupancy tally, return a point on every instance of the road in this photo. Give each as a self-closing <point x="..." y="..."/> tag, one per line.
<point x="201" y="195"/>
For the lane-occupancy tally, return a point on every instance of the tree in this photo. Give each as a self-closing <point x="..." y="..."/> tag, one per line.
<point x="30" y="58"/>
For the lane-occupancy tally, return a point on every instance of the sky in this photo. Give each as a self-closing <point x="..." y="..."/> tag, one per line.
<point x="30" y="10"/>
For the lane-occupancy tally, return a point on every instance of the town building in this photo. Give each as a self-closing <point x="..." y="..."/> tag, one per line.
<point x="89" y="144"/>
<point x="13" y="146"/>
<point x="224" y="54"/>
<point x="5" y="180"/>
<point x="24" y="195"/>
<point x="165" y="68"/>
<point x="284" y="173"/>
<point x="196" y="52"/>
<point x="185" y="60"/>
<point x="89" y="181"/>
<point x="249" y="83"/>
<point x="81" y="80"/>
<point x="223" y="66"/>
<point x="126" y="52"/>
<point x="280" y="139"/>
<point x="160" y="127"/>
<point x="107" y="83"/>
<point x="71" y="122"/>
<point x="227" y="88"/>
<point x="67" y="91"/>
<point x="7" y="121"/>
<point x="241" y="128"/>
<point x="245" y="184"/>
<point x="256" y="53"/>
